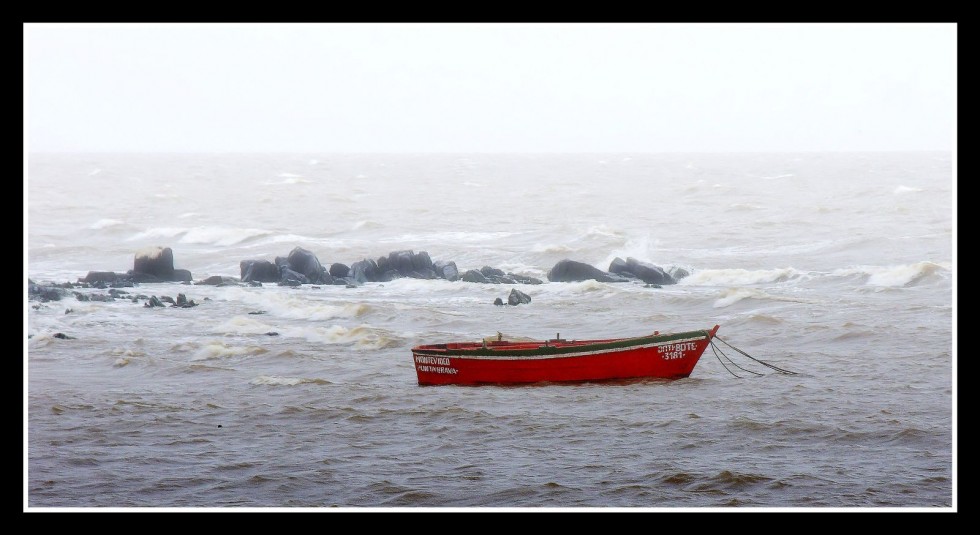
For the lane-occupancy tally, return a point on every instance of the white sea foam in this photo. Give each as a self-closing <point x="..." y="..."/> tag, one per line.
<point x="739" y="277"/>
<point x="603" y="230"/>
<point x="552" y="248"/>
<point x="219" y="350"/>
<point x="734" y="295"/>
<point x="895" y="276"/>
<point x="302" y="305"/>
<point x="242" y="325"/>
<point x="105" y="223"/>
<point x="776" y="177"/>
<point x="361" y="337"/>
<point x="158" y="232"/>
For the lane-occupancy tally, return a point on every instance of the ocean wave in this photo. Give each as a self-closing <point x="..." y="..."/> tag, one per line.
<point x="301" y="307"/>
<point x="222" y="236"/>
<point x="553" y="248"/>
<point x="734" y="295"/>
<point x="276" y="380"/>
<point x="736" y="277"/>
<point x="362" y="336"/>
<point x="366" y="224"/>
<point x="896" y="276"/>
<point x="158" y="232"/>
<point x="242" y="325"/>
<point x="603" y="230"/>
<point x="219" y="350"/>
<point x="105" y="223"/>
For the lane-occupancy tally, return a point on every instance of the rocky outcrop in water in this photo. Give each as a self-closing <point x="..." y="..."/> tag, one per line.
<point x="645" y="271"/>
<point x="518" y="297"/>
<point x="573" y="271"/>
<point x="302" y="266"/>
<point x="155" y="264"/>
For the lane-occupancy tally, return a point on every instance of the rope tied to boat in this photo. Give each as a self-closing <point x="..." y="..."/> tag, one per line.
<point x="719" y="353"/>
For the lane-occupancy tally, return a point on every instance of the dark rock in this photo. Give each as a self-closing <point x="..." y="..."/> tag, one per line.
<point x="677" y="273"/>
<point x="101" y="276"/>
<point x="390" y="275"/>
<point x="82" y="297"/>
<point x="499" y="302"/>
<point x="364" y="271"/>
<point x="158" y="262"/>
<point x="473" y="275"/>
<point x="41" y="293"/>
<point x="303" y="261"/>
<point x="168" y="299"/>
<point x="117" y="293"/>
<point x="518" y="297"/>
<point x="63" y="336"/>
<point x="138" y="277"/>
<point x="288" y="277"/>
<point x="68" y="311"/>
<point x="154" y="302"/>
<point x="524" y="279"/>
<point x="338" y="270"/>
<point x="183" y="302"/>
<point x="258" y="312"/>
<point x="570" y="270"/>
<point x="421" y="262"/>
<point x="104" y="298"/>
<point x="270" y="333"/>
<point x="219" y="280"/>
<point x="426" y="273"/>
<point x="644" y="271"/>
<point x="446" y="270"/>
<point x="401" y="261"/>
<point x="490" y="272"/>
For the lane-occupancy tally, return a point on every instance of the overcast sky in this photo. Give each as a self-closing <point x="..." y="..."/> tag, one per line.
<point x="325" y="88"/>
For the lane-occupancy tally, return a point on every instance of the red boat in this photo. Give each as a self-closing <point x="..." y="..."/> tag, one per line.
<point x="663" y="356"/>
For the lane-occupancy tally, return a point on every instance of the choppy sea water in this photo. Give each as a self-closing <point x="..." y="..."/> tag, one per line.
<point x="839" y="267"/>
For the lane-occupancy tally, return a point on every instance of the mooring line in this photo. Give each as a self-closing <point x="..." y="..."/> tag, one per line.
<point x="733" y="363"/>
<point x="781" y="370"/>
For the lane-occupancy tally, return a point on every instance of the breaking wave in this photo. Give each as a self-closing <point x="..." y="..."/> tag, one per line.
<point x="895" y="276"/>
<point x="736" y="277"/>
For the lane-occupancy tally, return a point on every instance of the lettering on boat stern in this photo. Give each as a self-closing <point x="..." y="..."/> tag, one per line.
<point x="428" y="364"/>
<point x="676" y="351"/>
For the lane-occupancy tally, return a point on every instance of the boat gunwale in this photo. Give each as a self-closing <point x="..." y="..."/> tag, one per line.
<point x="564" y="347"/>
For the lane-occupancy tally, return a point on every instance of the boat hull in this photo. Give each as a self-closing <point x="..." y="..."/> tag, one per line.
<point x="662" y="356"/>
